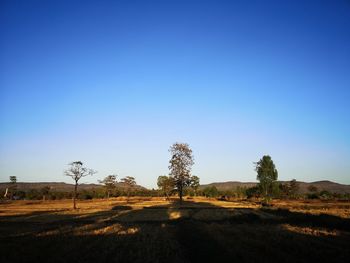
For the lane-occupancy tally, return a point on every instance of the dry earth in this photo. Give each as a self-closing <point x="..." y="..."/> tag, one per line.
<point x="156" y="230"/>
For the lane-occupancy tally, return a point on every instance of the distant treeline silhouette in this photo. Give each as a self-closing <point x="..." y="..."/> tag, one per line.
<point x="180" y="182"/>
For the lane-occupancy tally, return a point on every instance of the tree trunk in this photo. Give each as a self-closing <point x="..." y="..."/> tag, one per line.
<point x="167" y="196"/>
<point x="75" y="195"/>
<point x="180" y="194"/>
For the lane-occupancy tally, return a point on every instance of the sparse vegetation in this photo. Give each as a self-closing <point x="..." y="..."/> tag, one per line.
<point x="136" y="225"/>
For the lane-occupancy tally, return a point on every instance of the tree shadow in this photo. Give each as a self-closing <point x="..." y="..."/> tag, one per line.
<point x="173" y="232"/>
<point x="122" y="207"/>
<point x="307" y="219"/>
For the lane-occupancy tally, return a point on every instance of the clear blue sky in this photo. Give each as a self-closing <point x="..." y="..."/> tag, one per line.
<point x="115" y="83"/>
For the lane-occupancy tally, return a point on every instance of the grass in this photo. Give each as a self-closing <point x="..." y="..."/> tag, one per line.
<point x="155" y="230"/>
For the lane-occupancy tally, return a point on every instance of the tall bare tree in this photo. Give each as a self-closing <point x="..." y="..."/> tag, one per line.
<point x="77" y="171"/>
<point x="180" y="166"/>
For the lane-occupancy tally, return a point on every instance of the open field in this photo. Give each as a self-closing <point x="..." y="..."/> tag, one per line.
<point x="155" y="230"/>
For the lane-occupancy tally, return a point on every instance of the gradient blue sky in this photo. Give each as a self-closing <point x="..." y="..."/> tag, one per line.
<point x="115" y="83"/>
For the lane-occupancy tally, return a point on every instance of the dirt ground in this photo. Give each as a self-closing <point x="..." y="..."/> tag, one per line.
<point x="156" y="230"/>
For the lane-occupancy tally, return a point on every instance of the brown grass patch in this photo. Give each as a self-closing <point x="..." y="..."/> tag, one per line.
<point x="156" y="230"/>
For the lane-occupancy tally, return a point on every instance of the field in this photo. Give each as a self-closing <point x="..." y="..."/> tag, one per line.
<point x="155" y="230"/>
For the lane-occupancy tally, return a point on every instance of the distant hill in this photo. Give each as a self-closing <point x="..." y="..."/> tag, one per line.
<point x="222" y="186"/>
<point x="321" y="185"/>
<point x="60" y="187"/>
<point x="325" y="185"/>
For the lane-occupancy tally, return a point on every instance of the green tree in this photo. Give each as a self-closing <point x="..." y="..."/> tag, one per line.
<point x="314" y="192"/>
<point x="33" y="194"/>
<point x="194" y="183"/>
<point x="325" y="195"/>
<point x="267" y="176"/>
<point x="13" y="187"/>
<point x="210" y="191"/>
<point x="13" y="180"/>
<point x="180" y="166"/>
<point x="253" y="192"/>
<point x="129" y="183"/>
<point x="110" y="183"/>
<point x="76" y="171"/>
<point x="166" y="184"/>
<point x="240" y="192"/>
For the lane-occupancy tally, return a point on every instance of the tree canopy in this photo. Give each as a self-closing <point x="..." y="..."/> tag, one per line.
<point x="109" y="183"/>
<point x="194" y="183"/>
<point x="180" y="166"/>
<point x="129" y="183"/>
<point x="267" y="176"/>
<point x="166" y="184"/>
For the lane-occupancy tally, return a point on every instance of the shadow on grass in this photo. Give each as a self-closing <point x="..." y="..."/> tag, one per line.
<point x="174" y="233"/>
<point x="306" y="219"/>
<point x="122" y="207"/>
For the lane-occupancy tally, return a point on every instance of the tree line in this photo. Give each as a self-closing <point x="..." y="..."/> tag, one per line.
<point x="179" y="182"/>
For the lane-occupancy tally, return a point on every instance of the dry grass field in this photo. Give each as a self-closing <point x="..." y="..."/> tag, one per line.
<point x="155" y="230"/>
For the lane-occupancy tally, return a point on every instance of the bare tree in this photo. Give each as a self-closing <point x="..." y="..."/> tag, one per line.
<point x="77" y="171"/>
<point x="180" y="166"/>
